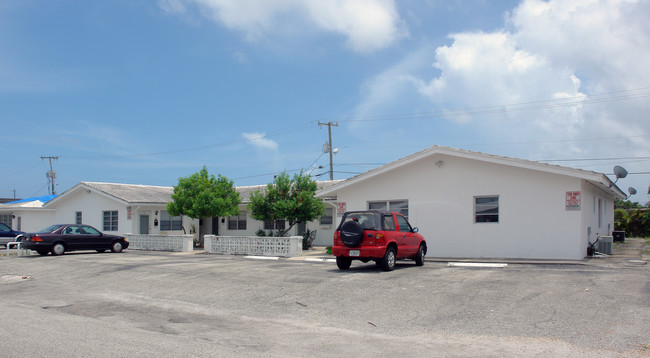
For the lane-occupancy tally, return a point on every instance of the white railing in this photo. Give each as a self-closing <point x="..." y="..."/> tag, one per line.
<point x="253" y="245"/>
<point x="178" y="243"/>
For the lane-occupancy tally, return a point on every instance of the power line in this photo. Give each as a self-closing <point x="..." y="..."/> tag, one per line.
<point x="590" y="159"/>
<point x="513" y="107"/>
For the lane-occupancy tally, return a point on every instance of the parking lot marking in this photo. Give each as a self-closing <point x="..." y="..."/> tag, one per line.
<point x="313" y="259"/>
<point x="476" y="264"/>
<point x="273" y="258"/>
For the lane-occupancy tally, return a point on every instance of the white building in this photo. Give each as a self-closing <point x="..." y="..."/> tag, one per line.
<point x="118" y="208"/>
<point x="142" y="209"/>
<point x="12" y="213"/>
<point x="470" y="204"/>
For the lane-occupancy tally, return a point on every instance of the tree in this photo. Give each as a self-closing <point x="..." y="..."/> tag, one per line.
<point x="201" y="195"/>
<point x="292" y="200"/>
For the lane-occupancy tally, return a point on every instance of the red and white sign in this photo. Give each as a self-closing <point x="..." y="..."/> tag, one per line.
<point x="573" y="200"/>
<point x="340" y="208"/>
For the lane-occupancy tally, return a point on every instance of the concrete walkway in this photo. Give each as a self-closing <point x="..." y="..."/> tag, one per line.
<point x="631" y="250"/>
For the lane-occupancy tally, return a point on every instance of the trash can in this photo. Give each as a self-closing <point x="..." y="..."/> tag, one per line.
<point x="619" y="236"/>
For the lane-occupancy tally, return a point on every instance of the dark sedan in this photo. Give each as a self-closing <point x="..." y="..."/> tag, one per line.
<point x="7" y="234"/>
<point x="58" y="239"/>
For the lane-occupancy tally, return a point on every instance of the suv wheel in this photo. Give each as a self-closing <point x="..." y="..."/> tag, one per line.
<point x="351" y="233"/>
<point x="388" y="262"/>
<point x="343" y="262"/>
<point x="419" y="259"/>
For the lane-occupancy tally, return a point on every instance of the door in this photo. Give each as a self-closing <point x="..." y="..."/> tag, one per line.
<point x="144" y="224"/>
<point x="409" y="242"/>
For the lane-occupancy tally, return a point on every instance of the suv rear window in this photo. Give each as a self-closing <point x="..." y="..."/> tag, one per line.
<point x="366" y="219"/>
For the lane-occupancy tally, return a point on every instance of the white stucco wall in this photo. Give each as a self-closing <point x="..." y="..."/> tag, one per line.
<point x="92" y="204"/>
<point x="591" y="225"/>
<point x="324" y="232"/>
<point x="533" y="220"/>
<point x="32" y="220"/>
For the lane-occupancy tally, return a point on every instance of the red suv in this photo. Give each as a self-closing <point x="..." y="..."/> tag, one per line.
<point x="381" y="236"/>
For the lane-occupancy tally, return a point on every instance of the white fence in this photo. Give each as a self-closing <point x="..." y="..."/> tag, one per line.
<point x="180" y="243"/>
<point x="253" y="245"/>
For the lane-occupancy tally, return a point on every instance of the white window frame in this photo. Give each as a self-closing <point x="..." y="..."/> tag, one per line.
<point x="390" y="205"/>
<point x="237" y="222"/>
<point x="170" y="223"/>
<point x="113" y="220"/>
<point x="328" y="218"/>
<point x="478" y="206"/>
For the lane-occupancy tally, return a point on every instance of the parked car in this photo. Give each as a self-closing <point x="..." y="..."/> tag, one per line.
<point x="58" y="239"/>
<point x="380" y="236"/>
<point x="7" y="235"/>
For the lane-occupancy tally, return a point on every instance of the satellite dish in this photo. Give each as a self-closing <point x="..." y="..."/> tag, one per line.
<point x="620" y="172"/>
<point x="632" y="191"/>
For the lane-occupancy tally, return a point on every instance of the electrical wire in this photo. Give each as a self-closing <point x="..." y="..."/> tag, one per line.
<point x="523" y="106"/>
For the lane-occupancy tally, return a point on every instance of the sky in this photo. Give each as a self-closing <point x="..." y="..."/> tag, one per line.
<point x="146" y="92"/>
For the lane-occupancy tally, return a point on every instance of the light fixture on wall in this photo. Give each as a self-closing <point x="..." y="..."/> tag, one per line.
<point x="439" y="163"/>
<point x="156" y="212"/>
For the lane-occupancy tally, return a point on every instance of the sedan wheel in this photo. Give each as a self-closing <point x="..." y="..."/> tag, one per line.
<point x="117" y="247"/>
<point x="58" y="249"/>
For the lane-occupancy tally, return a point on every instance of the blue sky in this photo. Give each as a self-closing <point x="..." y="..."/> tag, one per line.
<point x="145" y="92"/>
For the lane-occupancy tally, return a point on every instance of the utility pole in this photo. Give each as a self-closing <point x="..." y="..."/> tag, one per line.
<point x="51" y="175"/>
<point x="329" y="132"/>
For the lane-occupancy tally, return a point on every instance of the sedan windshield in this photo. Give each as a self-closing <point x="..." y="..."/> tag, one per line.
<point x="49" y="229"/>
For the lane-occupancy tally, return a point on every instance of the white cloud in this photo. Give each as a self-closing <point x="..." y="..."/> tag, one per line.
<point x="552" y="51"/>
<point x="260" y="142"/>
<point x="522" y="76"/>
<point x="368" y="25"/>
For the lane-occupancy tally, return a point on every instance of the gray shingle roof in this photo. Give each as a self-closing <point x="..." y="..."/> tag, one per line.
<point x="149" y="194"/>
<point x="137" y="194"/>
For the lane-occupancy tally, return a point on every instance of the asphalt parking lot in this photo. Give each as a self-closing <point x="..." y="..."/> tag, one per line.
<point x="156" y="304"/>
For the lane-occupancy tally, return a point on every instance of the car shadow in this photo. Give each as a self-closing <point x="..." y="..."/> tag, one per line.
<point x="372" y="268"/>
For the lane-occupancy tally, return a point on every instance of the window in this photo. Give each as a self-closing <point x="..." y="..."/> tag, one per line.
<point x="389" y="222"/>
<point x="400" y="206"/>
<point x="78" y="217"/>
<point x="169" y="223"/>
<point x="600" y="213"/>
<point x="403" y="224"/>
<point x="110" y="220"/>
<point x="486" y="209"/>
<point x="277" y="225"/>
<point x="6" y="219"/>
<point x="327" y="219"/>
<point x="237" y="222"/>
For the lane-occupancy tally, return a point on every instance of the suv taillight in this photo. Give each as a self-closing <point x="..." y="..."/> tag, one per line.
<point x="337" y="239"/>
<point x="379" y="239"/>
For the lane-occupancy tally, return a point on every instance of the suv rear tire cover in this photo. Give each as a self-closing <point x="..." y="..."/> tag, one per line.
<point x="351" y="233"/>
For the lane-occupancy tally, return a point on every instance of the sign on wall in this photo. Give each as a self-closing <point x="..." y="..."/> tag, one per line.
<point x="340" y="209"/>
<point x="573" y="201"/>
<point x="128" y="213"/>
